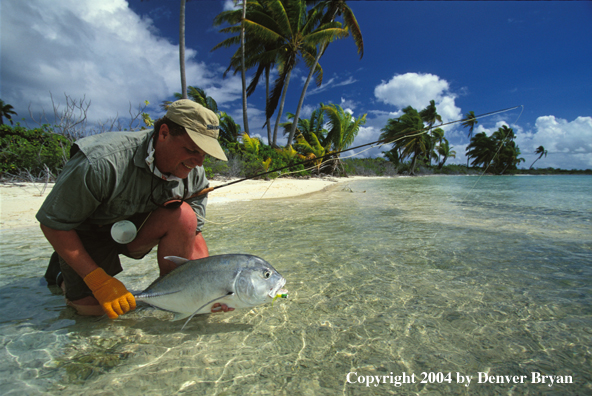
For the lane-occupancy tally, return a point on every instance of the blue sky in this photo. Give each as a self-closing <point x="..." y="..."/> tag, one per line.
<point x="480" y="56"/>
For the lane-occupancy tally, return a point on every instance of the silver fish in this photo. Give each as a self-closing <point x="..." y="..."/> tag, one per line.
<point x="237" y="280"/>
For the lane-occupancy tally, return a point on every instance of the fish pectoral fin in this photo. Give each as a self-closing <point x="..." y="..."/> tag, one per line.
<point x="205" y="305"/>
<point x="179" y="316"/>
<point x="177" y="260"/>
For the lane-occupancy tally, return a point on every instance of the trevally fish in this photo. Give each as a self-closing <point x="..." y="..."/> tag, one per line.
<point x="237" y="280"/>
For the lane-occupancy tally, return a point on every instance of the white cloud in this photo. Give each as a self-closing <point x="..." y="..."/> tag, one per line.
<point x="346" y="103"/>
<point x="569" y="143"/>
<point x="100" y="50"/>
<point x="416" y="90"/>
<point x="229" y="5"/>
<point x="412" y="89"/>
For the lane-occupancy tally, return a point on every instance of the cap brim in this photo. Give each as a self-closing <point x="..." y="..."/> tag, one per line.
<point x="209" y="145"/>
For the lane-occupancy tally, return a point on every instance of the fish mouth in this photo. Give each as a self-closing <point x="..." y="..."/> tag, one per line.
<point x="278" y="289"/>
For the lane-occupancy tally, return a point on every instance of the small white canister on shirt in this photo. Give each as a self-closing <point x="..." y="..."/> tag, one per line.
<point x="123" y="232"/>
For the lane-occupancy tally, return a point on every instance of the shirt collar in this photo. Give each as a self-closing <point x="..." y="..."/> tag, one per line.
<point x="152" y="165"/>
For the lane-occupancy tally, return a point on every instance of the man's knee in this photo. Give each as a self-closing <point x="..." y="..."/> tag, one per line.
<point x="181" y="217"/>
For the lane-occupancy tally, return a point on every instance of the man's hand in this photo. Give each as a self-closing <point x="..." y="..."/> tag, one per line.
<point x="111" y="293"/>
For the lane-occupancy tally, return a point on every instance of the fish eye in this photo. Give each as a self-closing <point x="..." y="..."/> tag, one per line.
<point x="267" y="274"/>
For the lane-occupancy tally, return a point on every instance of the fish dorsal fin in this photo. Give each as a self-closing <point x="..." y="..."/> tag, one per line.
<point x="177" y="260"/>
<point x="209" y="302"/>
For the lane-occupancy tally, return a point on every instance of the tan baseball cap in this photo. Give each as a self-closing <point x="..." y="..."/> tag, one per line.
<point x="200" y="123"/>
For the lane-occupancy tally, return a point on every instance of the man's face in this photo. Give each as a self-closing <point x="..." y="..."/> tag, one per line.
<point x="177" y="155"/>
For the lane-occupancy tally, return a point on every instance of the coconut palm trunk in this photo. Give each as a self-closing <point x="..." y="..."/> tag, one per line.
<point x="301" y="101"/>
<point x="182" y="49"/>
<point x="243" y="71"/>
<point x="281" y="109"/>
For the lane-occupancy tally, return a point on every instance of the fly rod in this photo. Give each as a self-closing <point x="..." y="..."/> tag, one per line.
<point x="380" y="142"/>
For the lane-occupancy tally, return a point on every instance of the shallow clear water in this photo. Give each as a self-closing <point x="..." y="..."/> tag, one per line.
<point x="455" y="275"/>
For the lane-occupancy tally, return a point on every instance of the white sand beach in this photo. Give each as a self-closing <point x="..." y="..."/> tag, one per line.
<point x="19" y="202"/>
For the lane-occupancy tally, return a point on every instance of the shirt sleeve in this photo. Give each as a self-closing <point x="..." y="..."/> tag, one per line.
<point x="78" y="191"/>
<point x="199" y="203"/>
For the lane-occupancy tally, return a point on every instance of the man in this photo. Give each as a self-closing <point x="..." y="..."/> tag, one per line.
<point x="151" y="178"/>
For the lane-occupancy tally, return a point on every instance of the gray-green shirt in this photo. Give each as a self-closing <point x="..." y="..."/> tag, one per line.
<point x="108" y="180"/>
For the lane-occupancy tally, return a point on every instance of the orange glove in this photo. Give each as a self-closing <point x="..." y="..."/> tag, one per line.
<point x="111" y="293"/>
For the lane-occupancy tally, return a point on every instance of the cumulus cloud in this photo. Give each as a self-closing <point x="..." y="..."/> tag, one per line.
<point x="100" y="50"/>
<point x="416" y="90"/>
<point x="569" y="143"/>
<point x="411" y="89"/>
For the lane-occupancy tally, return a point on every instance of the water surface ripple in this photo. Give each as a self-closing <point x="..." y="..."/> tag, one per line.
<point x="434" y="274"/>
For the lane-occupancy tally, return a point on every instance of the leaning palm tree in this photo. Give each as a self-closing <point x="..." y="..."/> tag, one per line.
<point x="329" y="9"/>
<point x="445" y="151"/>
<point x="540" y="151"/>
<point x="481" y="150"/>
<point x="469" y="122"/>
<point x="437" y="136"/>
<point x="407" y="135"/>
<point x="430" y="116"/>
<point x="343" y="129"/>
<point x="7" y="111"/>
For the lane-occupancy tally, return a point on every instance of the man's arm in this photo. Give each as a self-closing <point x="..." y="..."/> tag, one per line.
<point x="112" y="295"/>
<point x="69" y="246"/>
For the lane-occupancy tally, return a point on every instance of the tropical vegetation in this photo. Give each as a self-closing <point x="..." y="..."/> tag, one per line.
<point x="278" y="35"/>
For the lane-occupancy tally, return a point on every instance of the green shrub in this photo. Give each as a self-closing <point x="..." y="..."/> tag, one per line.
<point x="31" y="150"/>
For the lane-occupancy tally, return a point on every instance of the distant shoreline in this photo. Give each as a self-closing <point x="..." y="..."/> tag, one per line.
<point x="20" y="201"/>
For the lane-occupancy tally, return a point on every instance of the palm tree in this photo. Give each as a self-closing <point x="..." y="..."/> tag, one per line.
<point x="229" y="130"/>
<point x="482" y="149"/>
<point x="343" y="128"/>
<point x="540" y="151"/>
<point x="282" y="33"/>
<point x="7" y="111"/>
<point x="437" y="136"/>
<point x="430" y="115"/>
<point x="182" y="50"/>
<point x="469" y="122"/>
<point x="299" y="36"/>
<point x="243" y="67"/>
<point x="332" y="9"/>
<point x="445" y="151"/>
<point x="315" y="125"/>
<point x="198" y="95"/>
<point x="407" y="136"/>
<point x="498" y="151"/>
<point x="256" y="52"/>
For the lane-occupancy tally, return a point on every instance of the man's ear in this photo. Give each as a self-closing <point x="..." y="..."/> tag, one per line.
<point x="163" y="132"/>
